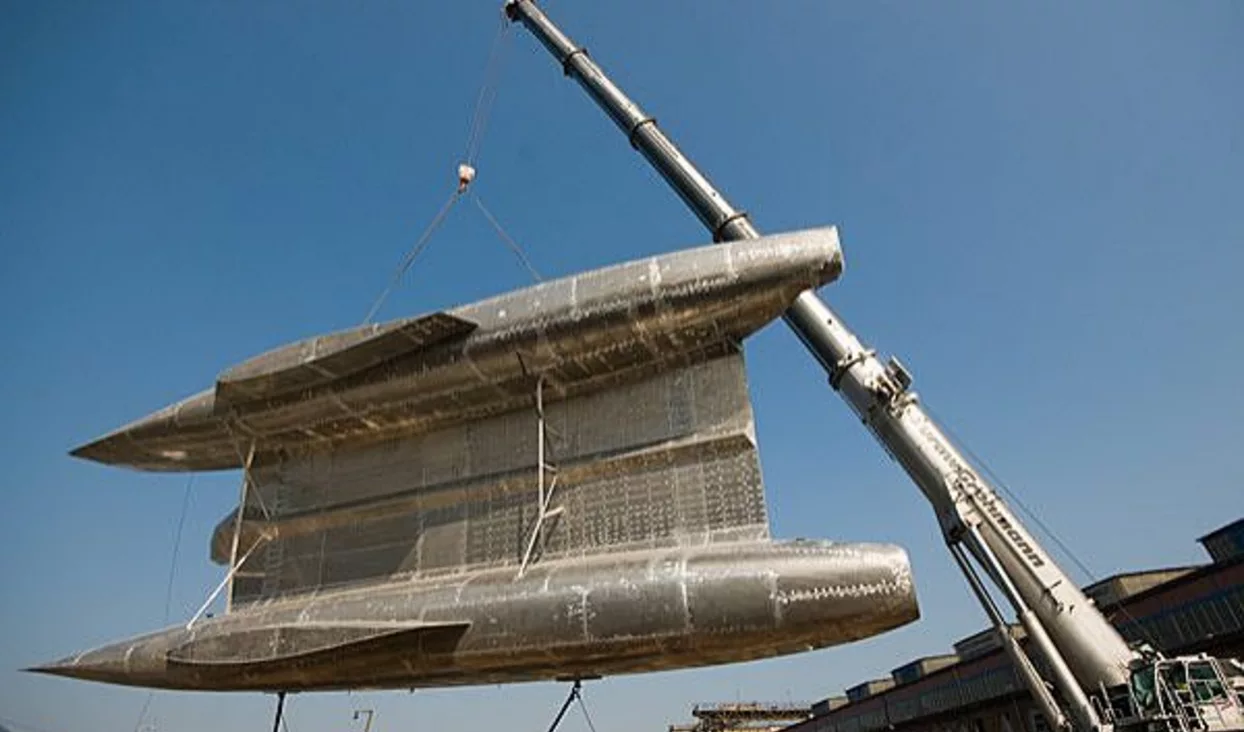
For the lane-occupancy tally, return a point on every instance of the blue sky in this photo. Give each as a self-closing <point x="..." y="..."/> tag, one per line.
<point x="1042" y="209"/>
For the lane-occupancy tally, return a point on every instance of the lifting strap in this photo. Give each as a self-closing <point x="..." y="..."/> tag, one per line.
<point x="420" y="244"/>
<point x="507" y="239"/>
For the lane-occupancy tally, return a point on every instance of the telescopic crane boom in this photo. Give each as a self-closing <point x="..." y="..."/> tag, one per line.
<point x="1083" y="655"/>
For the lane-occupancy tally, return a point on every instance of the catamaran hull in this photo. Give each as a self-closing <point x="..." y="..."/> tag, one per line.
<point x="584" y="333"/>
<point x="583" y="618"/>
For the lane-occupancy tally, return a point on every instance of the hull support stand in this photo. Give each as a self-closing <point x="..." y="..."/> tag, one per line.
<point x="280" y="712"/>
<point x="575" y="695"/>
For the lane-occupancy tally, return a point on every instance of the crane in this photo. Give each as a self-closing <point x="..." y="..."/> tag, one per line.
<point x="1082" y="673"/>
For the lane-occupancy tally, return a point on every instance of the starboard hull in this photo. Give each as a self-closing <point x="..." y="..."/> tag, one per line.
<point x="617" y="613"/>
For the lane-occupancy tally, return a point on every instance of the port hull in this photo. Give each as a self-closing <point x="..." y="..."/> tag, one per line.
<point x="624" y="612"/>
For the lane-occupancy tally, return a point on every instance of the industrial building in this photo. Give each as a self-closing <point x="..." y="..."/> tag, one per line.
<point x="1176" y="610"/>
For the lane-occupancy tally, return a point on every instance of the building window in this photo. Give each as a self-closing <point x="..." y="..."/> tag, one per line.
<point x="1039" y="723"/>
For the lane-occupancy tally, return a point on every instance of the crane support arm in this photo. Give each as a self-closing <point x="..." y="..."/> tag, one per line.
<point x="1077" y="642"/>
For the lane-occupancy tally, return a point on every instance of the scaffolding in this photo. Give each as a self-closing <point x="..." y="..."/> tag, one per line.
<point x="745" y="716"/>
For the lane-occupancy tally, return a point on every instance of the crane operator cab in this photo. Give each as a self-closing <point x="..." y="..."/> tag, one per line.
<point x="1187" y="693"/>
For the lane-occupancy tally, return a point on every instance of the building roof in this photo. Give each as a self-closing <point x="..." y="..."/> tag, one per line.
<point x="1118" y="587"/>
<point x="1223" y="529"/>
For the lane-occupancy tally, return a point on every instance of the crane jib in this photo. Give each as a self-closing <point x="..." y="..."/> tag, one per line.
<point x="1003" y="523"/>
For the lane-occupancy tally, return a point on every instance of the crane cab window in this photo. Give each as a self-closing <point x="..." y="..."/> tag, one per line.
<point x="1143" y="689"/>
<point x="1205" y="682"/>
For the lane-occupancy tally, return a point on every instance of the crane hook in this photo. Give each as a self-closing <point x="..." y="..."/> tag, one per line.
<point x="466" y="174"/>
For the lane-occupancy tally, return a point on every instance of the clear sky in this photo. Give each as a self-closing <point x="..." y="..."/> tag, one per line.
<point x="1042" y="209"/>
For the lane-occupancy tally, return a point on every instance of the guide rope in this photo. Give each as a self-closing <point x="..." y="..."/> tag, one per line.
<point x="172" y="564"/>
<point x="142" y="713"/>
<point x="168" y="590"/>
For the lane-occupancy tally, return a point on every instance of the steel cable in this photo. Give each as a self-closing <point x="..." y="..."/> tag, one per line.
<point x="475" y="136"/>
<point x="420" y="244"/>
<point x="507" y="239"/>
<point x="487" y="93"/>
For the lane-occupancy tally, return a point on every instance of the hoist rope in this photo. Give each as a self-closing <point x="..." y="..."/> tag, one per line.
<point x="507" y="239"/>
<point x="487" y="92"/>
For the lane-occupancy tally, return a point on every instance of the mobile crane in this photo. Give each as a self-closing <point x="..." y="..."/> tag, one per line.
<point x="1082" y="673"/>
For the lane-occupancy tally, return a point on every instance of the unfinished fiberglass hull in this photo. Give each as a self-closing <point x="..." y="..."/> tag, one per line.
<point x="624" y="613"/>
<point x="557" y="482"/>
<point x="583" y="333"/>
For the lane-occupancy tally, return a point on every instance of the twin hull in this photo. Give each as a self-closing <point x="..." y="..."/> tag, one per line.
<point x="578" y="618"/>
<point x="621" y="593"/>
